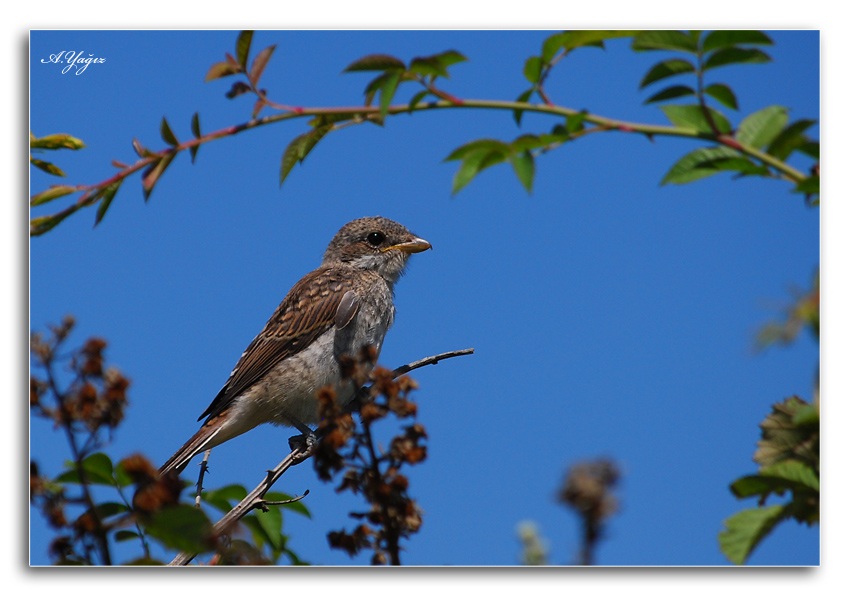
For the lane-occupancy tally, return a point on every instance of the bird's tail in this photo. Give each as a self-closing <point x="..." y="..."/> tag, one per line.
<point x="200" y="441"/>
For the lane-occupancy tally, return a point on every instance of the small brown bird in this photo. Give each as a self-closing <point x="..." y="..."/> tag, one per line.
<point x="336" y="310"/>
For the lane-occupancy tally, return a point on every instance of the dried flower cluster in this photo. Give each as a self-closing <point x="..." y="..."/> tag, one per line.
<point x="350" y="450"/>
<point x="587" y="489"/>
<point x="91" y="400"/>
<point x="96" y="396"/>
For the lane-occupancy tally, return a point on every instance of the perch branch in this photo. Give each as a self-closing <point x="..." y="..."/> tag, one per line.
<point x="254" y="499"/>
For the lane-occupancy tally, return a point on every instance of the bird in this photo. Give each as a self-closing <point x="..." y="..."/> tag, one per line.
<point x="336" y="310"/>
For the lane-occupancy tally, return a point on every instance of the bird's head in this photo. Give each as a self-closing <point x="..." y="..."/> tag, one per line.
<point x="374" y="243"/>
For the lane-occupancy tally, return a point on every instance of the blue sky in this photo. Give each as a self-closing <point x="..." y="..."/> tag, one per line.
<point x="610" y="316"/>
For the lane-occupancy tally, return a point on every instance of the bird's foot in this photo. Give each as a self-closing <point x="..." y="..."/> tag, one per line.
<point x="303" y="442"/>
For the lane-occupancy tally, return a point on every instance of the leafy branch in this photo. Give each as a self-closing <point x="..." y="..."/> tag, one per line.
<point x="761" y="144"/>
<point x="788" y="452"/>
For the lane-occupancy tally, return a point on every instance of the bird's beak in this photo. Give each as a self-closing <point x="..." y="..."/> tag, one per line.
<point x="412" y="246"/>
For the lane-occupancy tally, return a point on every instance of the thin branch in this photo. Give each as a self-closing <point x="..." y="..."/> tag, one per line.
<point x="403" y="370"/>
<point x="91" y="193"/>
<point x="200" y="485"/>
<point x="253" y="500"/>
<point x="85" y="486"/>
<point x="302" y="451"/>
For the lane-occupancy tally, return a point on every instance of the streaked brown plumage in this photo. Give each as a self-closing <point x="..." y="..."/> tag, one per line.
<point x="337" y="309"/>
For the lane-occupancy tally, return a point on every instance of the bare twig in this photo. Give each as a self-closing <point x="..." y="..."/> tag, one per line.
<point x="204" y="469"/>
<point x="402" y="370"/>
<point x="253" y="500"/>
<point x="302" y="451"/>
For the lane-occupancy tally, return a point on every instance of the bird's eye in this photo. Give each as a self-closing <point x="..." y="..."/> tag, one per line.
<point x="375" y="238"/>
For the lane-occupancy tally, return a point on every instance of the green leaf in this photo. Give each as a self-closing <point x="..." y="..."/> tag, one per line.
<point x="375" y="62"/>
<point x="744" y="530"/>
<point x="110" y="508"/>
<point x="735" y="55"/>
<point x="743" y="165"/>
<point x="295" y="506"/>
<point x="259" y="64"/>
<point x="811" y="148"/>
<point x="97" y="469"/>
<point x="575" y="122"/>
<point x="154" y="172"/>
<point x="388" y="89"/>
<point x="794" y="471"/>
<point x="196" y="131"/>
<point x="551" y="46"/>
<point x="167" y="134"/>
<point x="106" y="200"/>
<point x="219" y="70"/>
<point x="389" y="80"/>
<point x="787" y="475"/>
<point x="523" y="164"/>
<point x="125" y="535"/>
<point x="428" y="66"/>
<point x="181" y="527"/>
<point x="436" y="65"/>
<point x="225" y="497"/>
<point x="46" y="166"/>
<point x="664" y="40"/>
<point x="475" y="146"/>
<point x="528" y="142"/>
<point x="43" y="224"/>
<point x="243" y="47"/>
<point x="533" y="69"/>
<point x="726" y="38"/>
<point x="449" y="58"/>
<point x="271" y="524"/>
<point x="724" y="94"/>
<point x="418" y="97"/>
<point x="762" y="127"/>
<point x="806" y="415"/>
<point x="299" y="148"/>
<point x="475" y="157"/>
<point x="121" y="476"/>
<point x="671" y="92"/>
<point x="56" y="141"/>
<point x="790" y="139"/>
<point x="692" y="166"/>
<point x="523" y="98"/>
<point x="809" y="186"/>
<point x="666" y="68"/>
<point x="571" y="40"/>
<point x="196" y="125"/>
<point x="52" y="193"/>
<point x="693" y="116"/>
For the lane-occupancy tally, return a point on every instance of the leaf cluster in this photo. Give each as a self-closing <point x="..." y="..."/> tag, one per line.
<point x="802" y="313"/>
<point x="789" y="463"/>
<point x="761" y="140"/>
<point x="238" y="65"/>
<point x="521" y="153"/>
<point x="268" y="540"/>
<point x="423" y="71"/>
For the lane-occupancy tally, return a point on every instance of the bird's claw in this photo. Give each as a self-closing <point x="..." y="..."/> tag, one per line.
<point x="303" y="442"/>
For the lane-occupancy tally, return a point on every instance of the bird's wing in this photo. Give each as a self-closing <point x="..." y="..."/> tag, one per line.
<point x="317" y="302"/>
